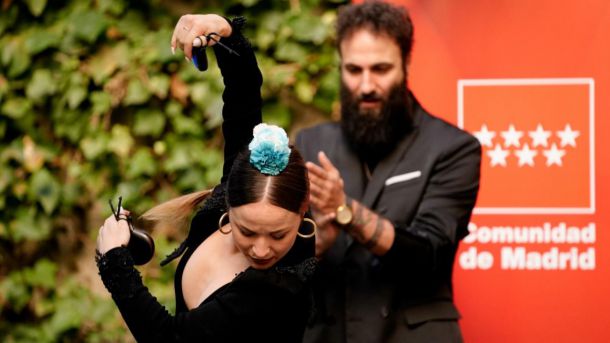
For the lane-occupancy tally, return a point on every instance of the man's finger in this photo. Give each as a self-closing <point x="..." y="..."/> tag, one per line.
<point x="316" y="190"/>
<point x="315" y="202"/>
<point x="313" y="179"/>
<point x="316" y="170"/>
<point x="325" y="162"/>
<point x="324" y="219"/>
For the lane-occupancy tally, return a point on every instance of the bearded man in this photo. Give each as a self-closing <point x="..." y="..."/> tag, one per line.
<point x="392" y="189"/>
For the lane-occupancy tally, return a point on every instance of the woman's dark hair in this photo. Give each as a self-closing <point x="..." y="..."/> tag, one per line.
<point x="378" y="17"/>
<point x="288" y="190"/>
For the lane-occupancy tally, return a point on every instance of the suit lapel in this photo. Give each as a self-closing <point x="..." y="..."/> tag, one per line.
<point x="384" y="169"/>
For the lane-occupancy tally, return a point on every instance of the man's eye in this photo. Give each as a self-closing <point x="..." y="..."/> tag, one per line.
<point x="353" y="70"/>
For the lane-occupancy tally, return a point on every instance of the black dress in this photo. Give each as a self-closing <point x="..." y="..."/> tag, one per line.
<point x="257" y="305"/>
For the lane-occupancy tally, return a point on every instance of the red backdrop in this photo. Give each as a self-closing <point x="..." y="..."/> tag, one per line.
<point x="532" y="80"/>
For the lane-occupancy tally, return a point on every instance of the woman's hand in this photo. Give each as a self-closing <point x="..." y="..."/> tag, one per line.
<point x="113" y="233"/>
<point x="191" y="26"/>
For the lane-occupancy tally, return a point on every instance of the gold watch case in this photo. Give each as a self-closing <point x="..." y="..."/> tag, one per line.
<point x="344" y="215"/>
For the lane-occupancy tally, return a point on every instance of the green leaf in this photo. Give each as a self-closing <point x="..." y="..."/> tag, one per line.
<point x="104" y="63"/>
<point x="149" y="122"/>
<point x="115" y="7"/>
<point x="136" y="93"/>
<point x="70" y="124"/>
<point x="133" y="25"/>
<point x="75" y="96"/>
<point x="15" y="56"/>
<point x="40" y="39"/>
<point x="186" y="125"/>
<point x="36" y="6"/>
<point x="102" y="102"/>
<point x="93" y="147"/>
<point x="28" y="226"/>
<point x="305" y="91"/>
<point x="45" y="190"/>
<point x="65" y="316"/>
<point x="142" y="163"/>
<point x="16" y="108"/>
<point x="41" y="85"/>
<point x="121" y="141"/>
<point x="15" y="291"/>
<point x="159" y="85"/>
<point x="43" y="274"/>
<point x="291" y="52"/>
<point x="89" y="25"/>
<point x="309" y="28"/>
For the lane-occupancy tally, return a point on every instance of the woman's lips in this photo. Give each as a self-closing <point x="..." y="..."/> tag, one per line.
<point x="261" y="261"/>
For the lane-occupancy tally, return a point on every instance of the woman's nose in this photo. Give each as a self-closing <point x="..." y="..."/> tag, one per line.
<point x="261" y="248"/>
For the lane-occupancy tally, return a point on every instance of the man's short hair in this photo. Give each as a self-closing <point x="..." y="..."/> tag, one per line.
<point x="380" y="18"/>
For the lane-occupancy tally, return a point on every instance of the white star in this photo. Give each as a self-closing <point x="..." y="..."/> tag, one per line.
<point x="512" y="136"/>
<point x="498" y="156"/>
<point x="553" y="155"/>
<point x="540" y="136"/>
<point x="568" y="136"/>
<point x="485" y="136"/>
<point x="526" y="156"/>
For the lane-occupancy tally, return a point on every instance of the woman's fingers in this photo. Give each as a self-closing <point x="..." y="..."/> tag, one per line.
<point x="193" y="30"/>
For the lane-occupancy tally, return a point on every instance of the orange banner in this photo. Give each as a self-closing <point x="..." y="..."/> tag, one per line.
<point x="530" y="79"/>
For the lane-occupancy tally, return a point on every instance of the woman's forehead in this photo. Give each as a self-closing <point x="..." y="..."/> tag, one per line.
<point x="261" y="215"/>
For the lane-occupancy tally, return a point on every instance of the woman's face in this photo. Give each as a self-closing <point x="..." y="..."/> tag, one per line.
<point x="264" y="233"/>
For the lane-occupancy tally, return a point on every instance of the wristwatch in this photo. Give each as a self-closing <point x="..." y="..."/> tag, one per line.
<point x="344" y="215"/>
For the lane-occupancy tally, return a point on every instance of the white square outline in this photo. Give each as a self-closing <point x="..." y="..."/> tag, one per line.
<point x="541" y="81"/>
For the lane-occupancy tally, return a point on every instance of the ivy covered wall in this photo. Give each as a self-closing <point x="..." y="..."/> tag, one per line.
<point x="93" y="105"/>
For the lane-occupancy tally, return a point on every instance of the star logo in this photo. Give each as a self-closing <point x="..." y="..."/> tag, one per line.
<point x="526" y="156"/>
<point x="512" y="136"/>
<point x="539" y="139"/>
<point x="485" y="136"/>
<point x="539" y="136"/>
<point x="553" y="155"/>
<point x="498" y="156"/>
<point x="568" y="136"/>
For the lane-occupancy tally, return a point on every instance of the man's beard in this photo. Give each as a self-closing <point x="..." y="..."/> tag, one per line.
<point x="374" y="133"/>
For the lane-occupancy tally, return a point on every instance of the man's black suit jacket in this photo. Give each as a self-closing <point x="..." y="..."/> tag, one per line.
<point x="427" y="186"/>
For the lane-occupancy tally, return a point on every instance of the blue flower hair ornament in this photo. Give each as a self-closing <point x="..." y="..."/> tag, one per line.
<point x="269" y="150"/>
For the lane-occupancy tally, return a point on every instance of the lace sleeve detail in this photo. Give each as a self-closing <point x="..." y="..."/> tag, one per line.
<point x="116" y="268"/>
<point x="304" y="270"/>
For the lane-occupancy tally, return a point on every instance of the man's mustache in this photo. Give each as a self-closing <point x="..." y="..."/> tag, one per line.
<point x="372" y="96"/>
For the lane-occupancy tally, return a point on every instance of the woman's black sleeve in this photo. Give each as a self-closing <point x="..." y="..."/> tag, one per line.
<point x="244" y="308"/>
<point x="242" y="94"/>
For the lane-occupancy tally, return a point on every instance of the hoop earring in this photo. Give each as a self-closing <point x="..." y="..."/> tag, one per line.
<point x="224" y="215"/>
<point x="313" y="231"/>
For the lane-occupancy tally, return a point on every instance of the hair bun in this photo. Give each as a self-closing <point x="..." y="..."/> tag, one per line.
<point x="269" y="150"/>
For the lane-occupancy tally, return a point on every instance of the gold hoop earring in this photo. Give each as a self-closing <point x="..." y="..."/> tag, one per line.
<point x="313" y="231"/>
<point x="224" y="215"/>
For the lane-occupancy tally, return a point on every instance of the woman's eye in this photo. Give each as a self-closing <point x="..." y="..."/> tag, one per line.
<point x="278" y="236"/>
<point x="247" y="233"/>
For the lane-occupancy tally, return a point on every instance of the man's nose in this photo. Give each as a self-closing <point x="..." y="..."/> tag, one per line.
<point x="367" y="84"/>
